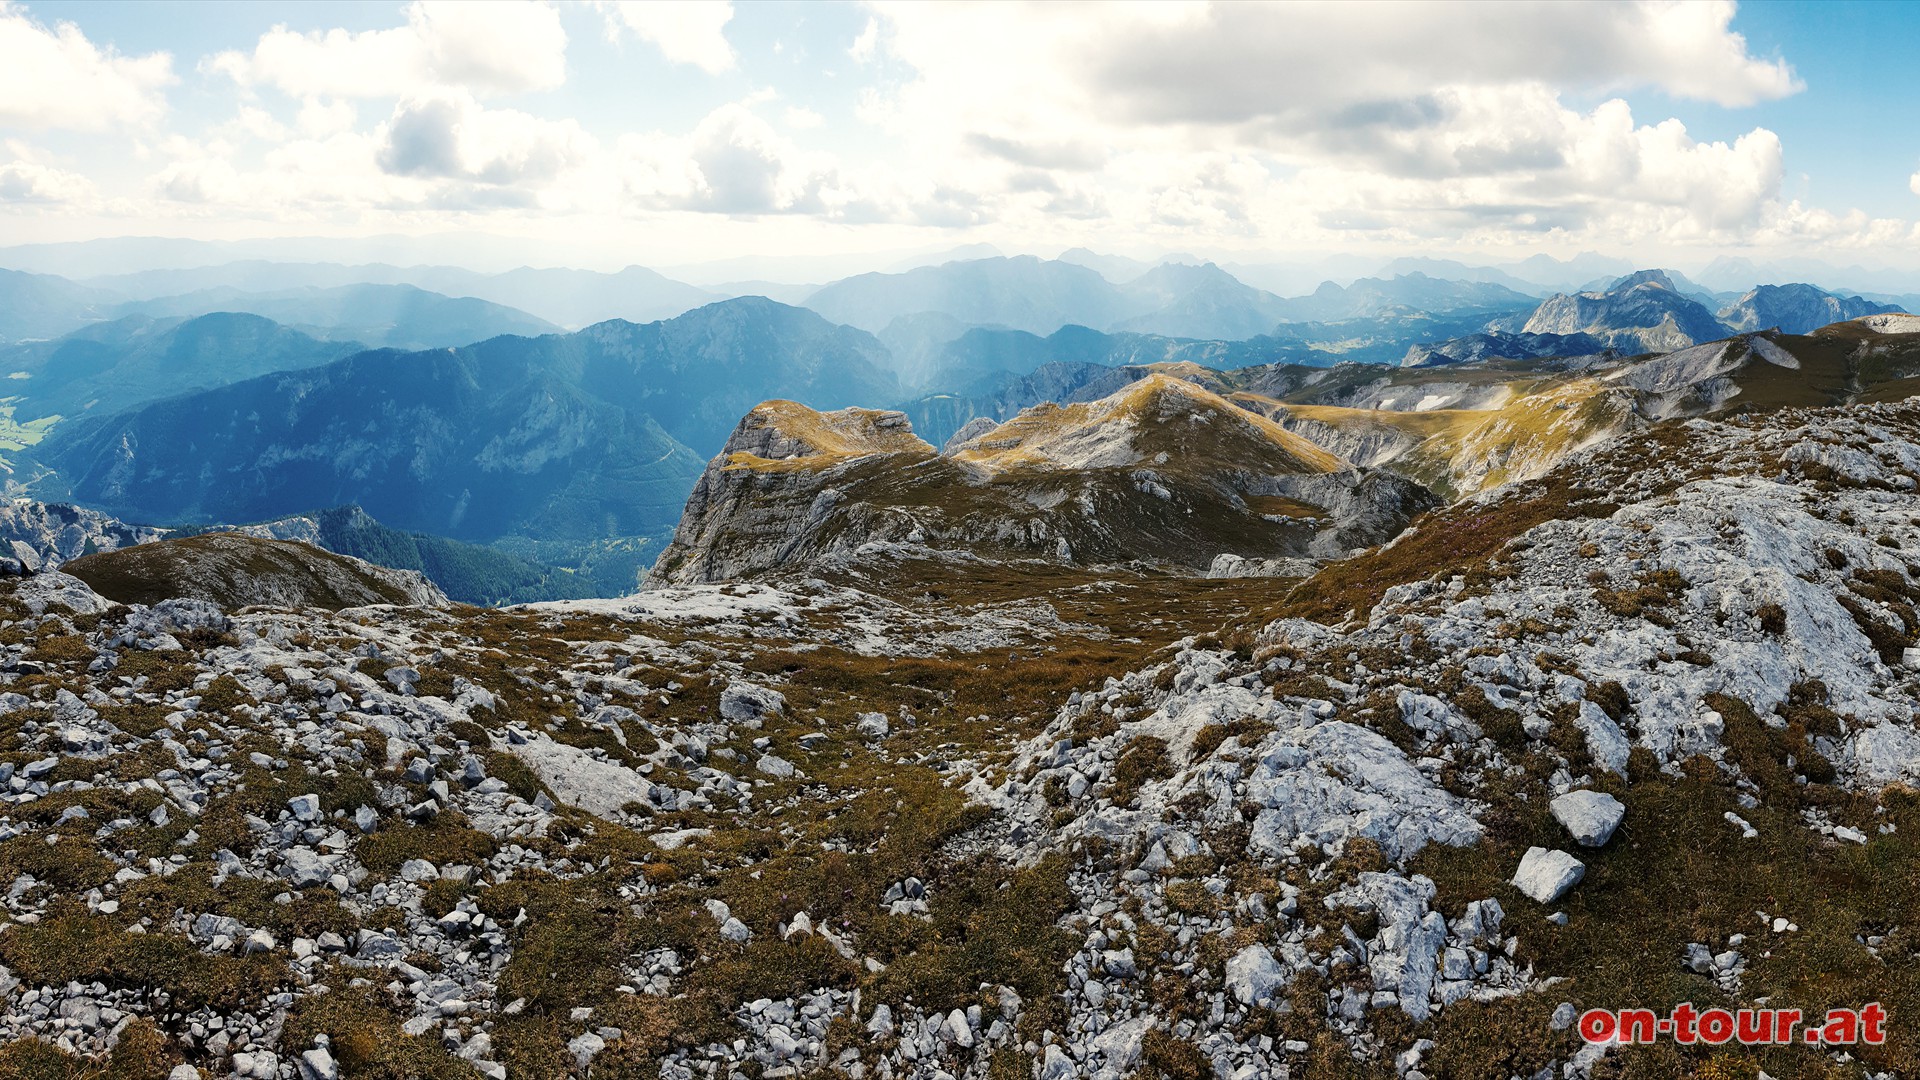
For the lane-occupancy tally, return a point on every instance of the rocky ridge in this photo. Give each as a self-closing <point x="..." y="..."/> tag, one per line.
<point x="234" y="570"/>
<point x="1161" y="471"/>
<point x="1641" y="313"/>
<point x="41" y="536"/>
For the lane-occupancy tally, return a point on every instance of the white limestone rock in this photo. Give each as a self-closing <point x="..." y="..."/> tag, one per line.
<point x="1545" y="875"/>
<point x="1336" y="780"/>
<point x="749" y="703"/>
<point x="1253" y="975"/>
<point x="579" y="779"/>
<point x="1590" y="816"/>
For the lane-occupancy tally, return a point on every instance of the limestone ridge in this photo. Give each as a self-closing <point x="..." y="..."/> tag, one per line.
<point x="1639" y="313"/>
<point x="234" y="571"/>
<point x="1161" y="472"/>
<point x="1466" y="427"/>
<point x="36" y="536"/>
<point x="1796" y="309"/>
<point x="739" y="515"/>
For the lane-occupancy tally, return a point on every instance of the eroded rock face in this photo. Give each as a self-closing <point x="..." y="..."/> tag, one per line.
<point x="1161" y="472"/>
<point x="770" y="483"/>
<point x="40" y="536"/>
<point x="1796" y="308"/>
<point x="1639" y="313"/>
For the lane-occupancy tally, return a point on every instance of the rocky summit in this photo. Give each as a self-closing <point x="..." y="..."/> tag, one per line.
<point x="994" y="761"/>
<point x="1161" y="472"/>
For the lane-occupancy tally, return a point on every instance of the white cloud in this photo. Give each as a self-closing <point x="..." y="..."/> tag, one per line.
<point x="863" y="46"/>
<point x="501" y="47"/>
<point x="29" y="178"/>
<point x="1318" y="121"/>
<point x="685" y="31"/>
<point x="735" y="163"/>
<point x="450" y="137"/>
<point x="443" y="152"/>
<point x="319" y="118"/>
<point x="1183" y="126"/>
<point x="54" y="78"/>
<point x="1913" y="183"/>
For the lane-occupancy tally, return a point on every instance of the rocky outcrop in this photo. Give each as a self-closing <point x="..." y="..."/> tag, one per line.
<point x="1495" y="345"/>
<point x="1640" y="314"/>
<point x="1161" y="472"/>
<point x="36" y="536"/>
<point x="772" y="480"/>
<point x="235" y="571"/>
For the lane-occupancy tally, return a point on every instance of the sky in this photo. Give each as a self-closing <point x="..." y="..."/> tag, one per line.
<point x="608" y="133"/>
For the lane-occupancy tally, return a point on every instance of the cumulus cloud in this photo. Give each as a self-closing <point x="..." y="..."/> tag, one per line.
<point x="1299" y="125"/>
<point x="1232" y="63"/>
<point x="1913" y="183"/>
<point x="502" y="47"/>
<point x="734" y="162"/>
<point x="1279" y="119"/>
<point x="451" y="137"/>
<point x="29" y="178"/>
<point x="685" y="31"/>
<point x="55" y="78"/>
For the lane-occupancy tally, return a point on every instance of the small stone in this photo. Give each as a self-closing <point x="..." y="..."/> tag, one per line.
<point x="748" y="703"/>
<point x="304" y="868"/>
<point x="584" y="1047"/>
<point x="418" y="870"/>
<point x="1590" y="816"/>
<point x="957" y="1030"/>
<point x="1253" y="974"/>
<point x="305" y="807"/>
<point x="318" y="1064"/>
<point x="1546" y="875"/>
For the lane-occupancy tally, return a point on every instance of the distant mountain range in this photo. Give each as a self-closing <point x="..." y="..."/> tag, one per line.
<point x="1404" y="294"/>
<point x="1040" y="296"/>
<point x="401" y="307"/>
<point x="1643" y="312"/>
<point x="483" y="421"/>
<point x="42" y="306"/>
<point x="387" y="316"/>
<point x="575" y="438"/>
<point x="115" y="365"/>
